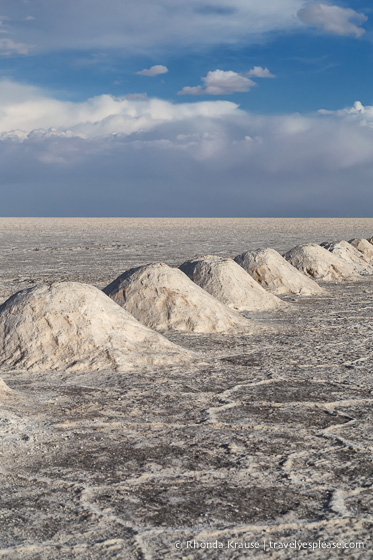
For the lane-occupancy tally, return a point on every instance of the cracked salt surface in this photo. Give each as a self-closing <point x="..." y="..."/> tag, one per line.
<point x="269" y="437"/>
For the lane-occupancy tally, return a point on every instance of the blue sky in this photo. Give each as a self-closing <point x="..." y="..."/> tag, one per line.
<point x="186" y="108"/>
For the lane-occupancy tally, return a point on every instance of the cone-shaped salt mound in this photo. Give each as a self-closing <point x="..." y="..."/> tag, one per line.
<point x="275" y="274"/>
<point x="75" y="327"/>
<point x="348" y="253"/>
<point x="229" y="283"/>
<point x="317" y="262"/>
<point x="365" y="248"/>
<point x="164" y="298"/>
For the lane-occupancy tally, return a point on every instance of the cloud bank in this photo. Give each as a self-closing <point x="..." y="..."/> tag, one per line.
<point x="40" y="26"/>
<point x="114" y="24"/>
<point x="117" y="156"/>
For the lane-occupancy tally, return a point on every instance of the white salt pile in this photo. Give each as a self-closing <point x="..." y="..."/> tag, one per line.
<point x="164" y="298"/>
<point x="75" y="327"/>
<point x="229" y="283"/>
<point x="348" y="253"/>
<point x="317" y="262"/>
<point x="275" y="274"/>
<point x="365" y="248"/>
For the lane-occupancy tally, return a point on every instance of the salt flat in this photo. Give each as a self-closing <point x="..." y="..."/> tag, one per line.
<point x="97" y="250"/>
<point x="264" y="436"/>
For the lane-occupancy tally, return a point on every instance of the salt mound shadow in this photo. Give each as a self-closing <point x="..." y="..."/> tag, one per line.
<point x="275" y="274"/>
<point x="317" y="262"/>
<point x="75" y="327"/>
<point x="365" y="248"/>
<point x="229" y="283"/>
<point x="164" y="298"/>
<point x="347" y="252"/>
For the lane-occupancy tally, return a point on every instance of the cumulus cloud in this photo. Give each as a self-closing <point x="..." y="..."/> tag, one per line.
<point x="153" y="71"/>
<point x="259" y="72"/>
<point x="279" y="165"/>
<point x="220" y="82"/>
<point x="225" y="82"/>
<point x="333" y="19"/>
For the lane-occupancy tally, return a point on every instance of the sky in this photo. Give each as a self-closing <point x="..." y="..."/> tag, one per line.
<point x="239" y="108"/>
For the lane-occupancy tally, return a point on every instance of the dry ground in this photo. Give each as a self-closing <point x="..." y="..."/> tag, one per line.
<point x="263" y="437"/>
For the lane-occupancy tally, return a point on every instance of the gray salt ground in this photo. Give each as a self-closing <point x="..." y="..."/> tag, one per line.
<point x="4" y="389"/>
<point x="270" y="438"/>
<point x="252" y="445"/>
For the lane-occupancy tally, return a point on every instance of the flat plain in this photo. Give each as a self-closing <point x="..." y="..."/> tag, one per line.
<point x="265" y="438"/>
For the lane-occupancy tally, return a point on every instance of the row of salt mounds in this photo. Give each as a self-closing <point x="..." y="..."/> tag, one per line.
<point x="275" y="274"/>
<point x="75" y="327"/>
<point x="317" y="262"/>
<point x="347" y="252"/>
<point x="165" y="298"/>
<point x="365" y="248"/>
<point x="229" y="283"/>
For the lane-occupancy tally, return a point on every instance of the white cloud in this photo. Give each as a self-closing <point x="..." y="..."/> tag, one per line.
<point x="192" y="24"/>
<point x="145" y="26"/>
<point x="225" y="82"/>
<point x="259" y="72"/>
<point x="153" y="71"/>
<point x="220" y="82"/>
<point x="333" y="19"/>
